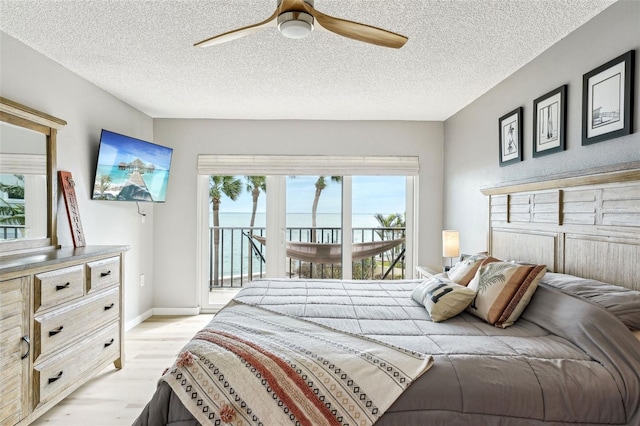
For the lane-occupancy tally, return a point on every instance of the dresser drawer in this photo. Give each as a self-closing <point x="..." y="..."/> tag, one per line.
<point x="103" y="273"/>
<point x="60" y="372"/>
<point x="55" y="287"/>
<point x="60" y="327"/>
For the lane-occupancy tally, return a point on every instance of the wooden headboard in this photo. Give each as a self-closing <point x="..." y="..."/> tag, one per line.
<point x="585" y="224"/>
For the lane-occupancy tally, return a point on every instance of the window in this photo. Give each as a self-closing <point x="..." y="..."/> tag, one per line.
<point x="373" y="207"/>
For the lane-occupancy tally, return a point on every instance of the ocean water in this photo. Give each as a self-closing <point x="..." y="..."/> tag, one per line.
<point x="233" y="246"/>
<point x="156" y="182"/>
<point x="297" y="220"/>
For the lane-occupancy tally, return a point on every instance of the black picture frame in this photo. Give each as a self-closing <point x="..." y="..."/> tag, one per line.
<point x="510" y="137"/>
<point x="607" y="100"/>
<point x="549" y="122"/>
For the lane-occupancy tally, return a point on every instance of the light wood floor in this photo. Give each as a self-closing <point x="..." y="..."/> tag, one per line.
<point x="116" y="397"/>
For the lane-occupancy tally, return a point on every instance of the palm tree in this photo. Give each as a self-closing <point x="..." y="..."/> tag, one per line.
<point x="393" y="220"/>
<point x="320" y="185"/>
<point x="105" y="184"/>
<point x="11" y="213"/>
<point x="219" y="186"/>
<point x="255" y="184"/>
<point x="15" y="191"/>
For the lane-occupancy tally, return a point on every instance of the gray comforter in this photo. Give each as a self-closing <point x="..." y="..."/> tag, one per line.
<point x="565" y="361"/>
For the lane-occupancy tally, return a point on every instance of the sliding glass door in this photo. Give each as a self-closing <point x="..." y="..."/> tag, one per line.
<point x="313" y="226"/>
<point x="378" y="219"/>
<point x="303" y="225"/>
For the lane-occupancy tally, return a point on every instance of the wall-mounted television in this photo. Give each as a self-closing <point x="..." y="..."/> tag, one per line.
<point x="131" y="169"/>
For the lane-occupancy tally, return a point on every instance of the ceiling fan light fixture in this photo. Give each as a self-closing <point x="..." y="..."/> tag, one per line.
<point x="297" y="18"/>
<point x="295" y="24"/>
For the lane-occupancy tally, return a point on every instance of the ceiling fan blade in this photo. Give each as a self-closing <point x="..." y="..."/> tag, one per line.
<point x="240" y="32"/>
<point x="357" y="31"/>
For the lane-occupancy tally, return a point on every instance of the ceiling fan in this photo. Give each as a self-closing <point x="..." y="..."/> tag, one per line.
<point x="298" y="18"/>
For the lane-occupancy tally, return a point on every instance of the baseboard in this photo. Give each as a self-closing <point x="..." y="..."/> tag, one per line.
<point x="137" y="320"/>
<point x="213" y="309"/>
<point x="161" y="312"/>
<point x="176" y="311"/>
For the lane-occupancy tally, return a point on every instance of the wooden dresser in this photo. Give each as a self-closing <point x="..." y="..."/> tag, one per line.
<point x="61" y="322"/>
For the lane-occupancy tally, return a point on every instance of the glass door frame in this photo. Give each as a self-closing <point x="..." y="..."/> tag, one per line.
<point x="276" y="221"/>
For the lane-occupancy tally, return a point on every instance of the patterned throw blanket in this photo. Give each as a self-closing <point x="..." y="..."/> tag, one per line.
<point x="251" y="366"/>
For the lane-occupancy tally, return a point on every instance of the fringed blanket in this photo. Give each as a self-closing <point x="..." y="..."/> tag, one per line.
<point x="251" y="366"/>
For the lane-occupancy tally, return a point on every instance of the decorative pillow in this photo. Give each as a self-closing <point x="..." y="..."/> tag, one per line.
<point x="463" y="256"/>
<point x="503" y="290"/>
<point x="622" y="302"/>
<point x="464" y="271"/>
<point x="442" y="297"/>
<point x="637" y="334"/>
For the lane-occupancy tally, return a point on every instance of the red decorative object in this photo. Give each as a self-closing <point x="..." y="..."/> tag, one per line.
<point x="73" y="213"/>
<point x="185" y="358"/>
<point x="227" y="413"/>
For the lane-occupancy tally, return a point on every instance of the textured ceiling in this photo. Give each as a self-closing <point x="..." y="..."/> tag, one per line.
<point x="142" y="52"/>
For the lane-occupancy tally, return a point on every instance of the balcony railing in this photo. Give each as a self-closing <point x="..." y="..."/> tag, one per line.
<point x="11" y="232"/>
<point x="241" y="258"/>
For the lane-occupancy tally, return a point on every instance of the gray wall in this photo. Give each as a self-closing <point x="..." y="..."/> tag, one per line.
<point x="175" y="251"/>
<point x="163" y="248"/>
<point x="33" y="80"/>
<point x="471" y="135"/>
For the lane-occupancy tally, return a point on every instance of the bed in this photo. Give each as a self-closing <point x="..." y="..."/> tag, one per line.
<point x="291" y="351"/>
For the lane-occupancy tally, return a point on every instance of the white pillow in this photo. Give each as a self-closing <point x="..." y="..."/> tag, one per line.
<point x="504" y="290"/>
<point x="442" y="297"/>
<point x="464" y="271"/>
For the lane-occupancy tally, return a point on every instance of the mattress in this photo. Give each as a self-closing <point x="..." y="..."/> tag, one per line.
<point x="565" y="361"/>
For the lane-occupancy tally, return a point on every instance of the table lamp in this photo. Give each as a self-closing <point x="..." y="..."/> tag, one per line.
<point x="450" y="246"/>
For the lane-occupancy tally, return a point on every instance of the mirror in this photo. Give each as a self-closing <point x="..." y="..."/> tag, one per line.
<point x="27" y="178"/>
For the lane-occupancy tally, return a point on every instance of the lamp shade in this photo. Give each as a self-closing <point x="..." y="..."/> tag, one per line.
<point x="450" y="243"/>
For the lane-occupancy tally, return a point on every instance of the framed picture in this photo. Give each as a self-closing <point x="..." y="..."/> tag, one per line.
<point x="510" y="133"/>
<point x="549" y="118"/>
<point x="607" y="100"/>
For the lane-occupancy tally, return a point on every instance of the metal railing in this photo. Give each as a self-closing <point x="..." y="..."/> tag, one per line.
<point x="11" y="232"/>
<point x="236" y="258"/>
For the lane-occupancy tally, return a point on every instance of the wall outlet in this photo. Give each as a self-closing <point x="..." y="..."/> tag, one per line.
<point x="141" y="280"/>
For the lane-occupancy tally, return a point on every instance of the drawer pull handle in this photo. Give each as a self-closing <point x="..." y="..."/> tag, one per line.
<point x="53" y="379"/>
<point x="105" y="274"/>
<point x="109" y="343"/>
<point x="28" y="342"/>
<point x="56" y="331"/>
<point x="62" y="287"/>
<point x="106" y="308"/>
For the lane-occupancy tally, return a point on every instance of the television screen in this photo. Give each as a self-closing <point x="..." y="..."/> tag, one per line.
<point x="130" y="169"/>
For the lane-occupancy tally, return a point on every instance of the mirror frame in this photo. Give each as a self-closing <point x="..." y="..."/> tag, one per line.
<point x="23" y="116"/>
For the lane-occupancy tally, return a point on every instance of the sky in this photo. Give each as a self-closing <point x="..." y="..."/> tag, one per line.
<point x="116" y="148"/>
<point x="371" y="194"/>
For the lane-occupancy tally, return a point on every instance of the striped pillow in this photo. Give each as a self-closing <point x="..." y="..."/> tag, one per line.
<point x="442" y="297"/>
<point x="464" y="271"/>
<point x="503" y="290"/>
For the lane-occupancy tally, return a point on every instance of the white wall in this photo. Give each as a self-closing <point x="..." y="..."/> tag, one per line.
<point x="33" y="80"/>
<point x="471" y="135"/>
<point x="164" y="248"/>
<point x="175" y="221"/>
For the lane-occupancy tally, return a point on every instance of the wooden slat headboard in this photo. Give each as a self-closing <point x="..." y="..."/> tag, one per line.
<point x="585" y="224"/>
